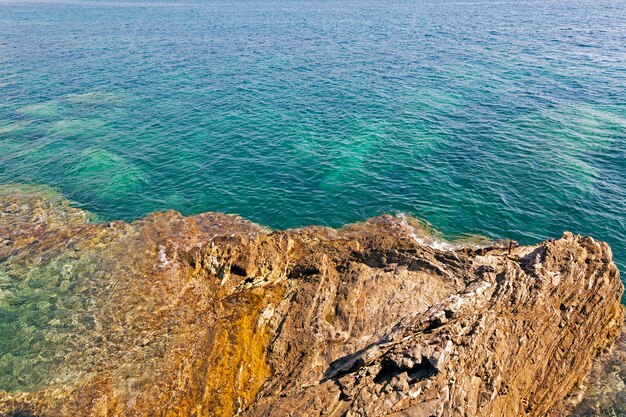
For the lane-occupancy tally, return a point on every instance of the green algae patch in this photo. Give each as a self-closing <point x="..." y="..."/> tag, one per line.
<point x="43" y="315"/>
<point x="108" y="174"/>
<point x="77" y="127"/>
<point x="48" y="286"/>
<point x="13" y="128"/>
<point x="33" y="326"/>
<point x="571" y="135"/>
<point x="57" y="210"/>
<point x="30" y="191"/>
<point x="38" y="110"/>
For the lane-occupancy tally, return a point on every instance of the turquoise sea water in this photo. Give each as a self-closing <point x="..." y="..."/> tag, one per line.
<point x="502" y="118"/>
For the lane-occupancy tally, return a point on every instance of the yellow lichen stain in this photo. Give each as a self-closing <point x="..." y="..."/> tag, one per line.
<point x="330" y="317"/>
<point x="237" y="363"/>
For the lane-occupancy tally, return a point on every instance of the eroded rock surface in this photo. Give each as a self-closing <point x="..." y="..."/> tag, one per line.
<point x="215" y="316"/>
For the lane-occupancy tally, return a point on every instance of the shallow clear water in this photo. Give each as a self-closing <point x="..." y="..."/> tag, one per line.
<point x="503" y="118"/>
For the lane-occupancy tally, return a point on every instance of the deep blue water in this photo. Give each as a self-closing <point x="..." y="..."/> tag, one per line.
<point x="502" y="118"/>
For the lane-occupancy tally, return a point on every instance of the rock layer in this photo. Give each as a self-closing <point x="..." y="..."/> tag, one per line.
<point x="215" y="316"/>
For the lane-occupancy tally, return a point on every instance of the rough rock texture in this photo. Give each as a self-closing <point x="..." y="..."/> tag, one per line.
<point x="214" y="316"/>
<point x="604" y="392"/>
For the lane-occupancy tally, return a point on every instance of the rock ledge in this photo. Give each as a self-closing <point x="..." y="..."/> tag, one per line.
<point x="215" y="316"/>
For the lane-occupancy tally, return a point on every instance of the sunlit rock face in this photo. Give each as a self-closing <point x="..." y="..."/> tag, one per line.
<point x="215" y="316"/>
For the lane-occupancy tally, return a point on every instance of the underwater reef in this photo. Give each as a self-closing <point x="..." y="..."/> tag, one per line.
<point x="212" y="315"/>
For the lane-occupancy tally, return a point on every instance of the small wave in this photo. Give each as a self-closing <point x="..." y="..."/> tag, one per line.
<point x="425" y="239"/>
<point x="424" y="236"/>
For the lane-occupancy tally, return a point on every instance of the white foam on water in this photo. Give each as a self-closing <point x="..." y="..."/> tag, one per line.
<point x="426" y="241"/>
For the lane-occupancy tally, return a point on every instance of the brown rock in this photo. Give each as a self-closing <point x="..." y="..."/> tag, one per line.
<point x="215" y="316"/>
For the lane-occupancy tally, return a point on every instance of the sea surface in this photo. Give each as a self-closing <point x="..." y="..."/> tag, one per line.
<point x="499" y="118"/>
<point x="505" y="119"/>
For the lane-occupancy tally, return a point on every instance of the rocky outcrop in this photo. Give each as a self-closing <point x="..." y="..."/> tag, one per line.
<point x="215" y="316"/>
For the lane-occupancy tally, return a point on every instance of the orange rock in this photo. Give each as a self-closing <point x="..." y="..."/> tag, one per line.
<point x="215" y="316"/>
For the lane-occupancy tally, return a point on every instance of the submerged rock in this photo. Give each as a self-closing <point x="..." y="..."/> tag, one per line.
<point x="215" y="316"/>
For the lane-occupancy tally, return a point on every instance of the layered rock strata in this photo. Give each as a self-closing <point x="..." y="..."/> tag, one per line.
<point x="212" y="315"/>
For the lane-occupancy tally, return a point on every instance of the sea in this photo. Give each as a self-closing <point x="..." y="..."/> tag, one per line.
<point x="504" y="119"/>
<point x="500" y="119"/>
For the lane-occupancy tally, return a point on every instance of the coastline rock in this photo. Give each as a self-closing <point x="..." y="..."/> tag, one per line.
<point x="215" y="316"/>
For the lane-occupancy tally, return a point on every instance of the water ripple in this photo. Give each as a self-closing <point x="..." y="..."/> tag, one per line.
<point x="500" y="118"/>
